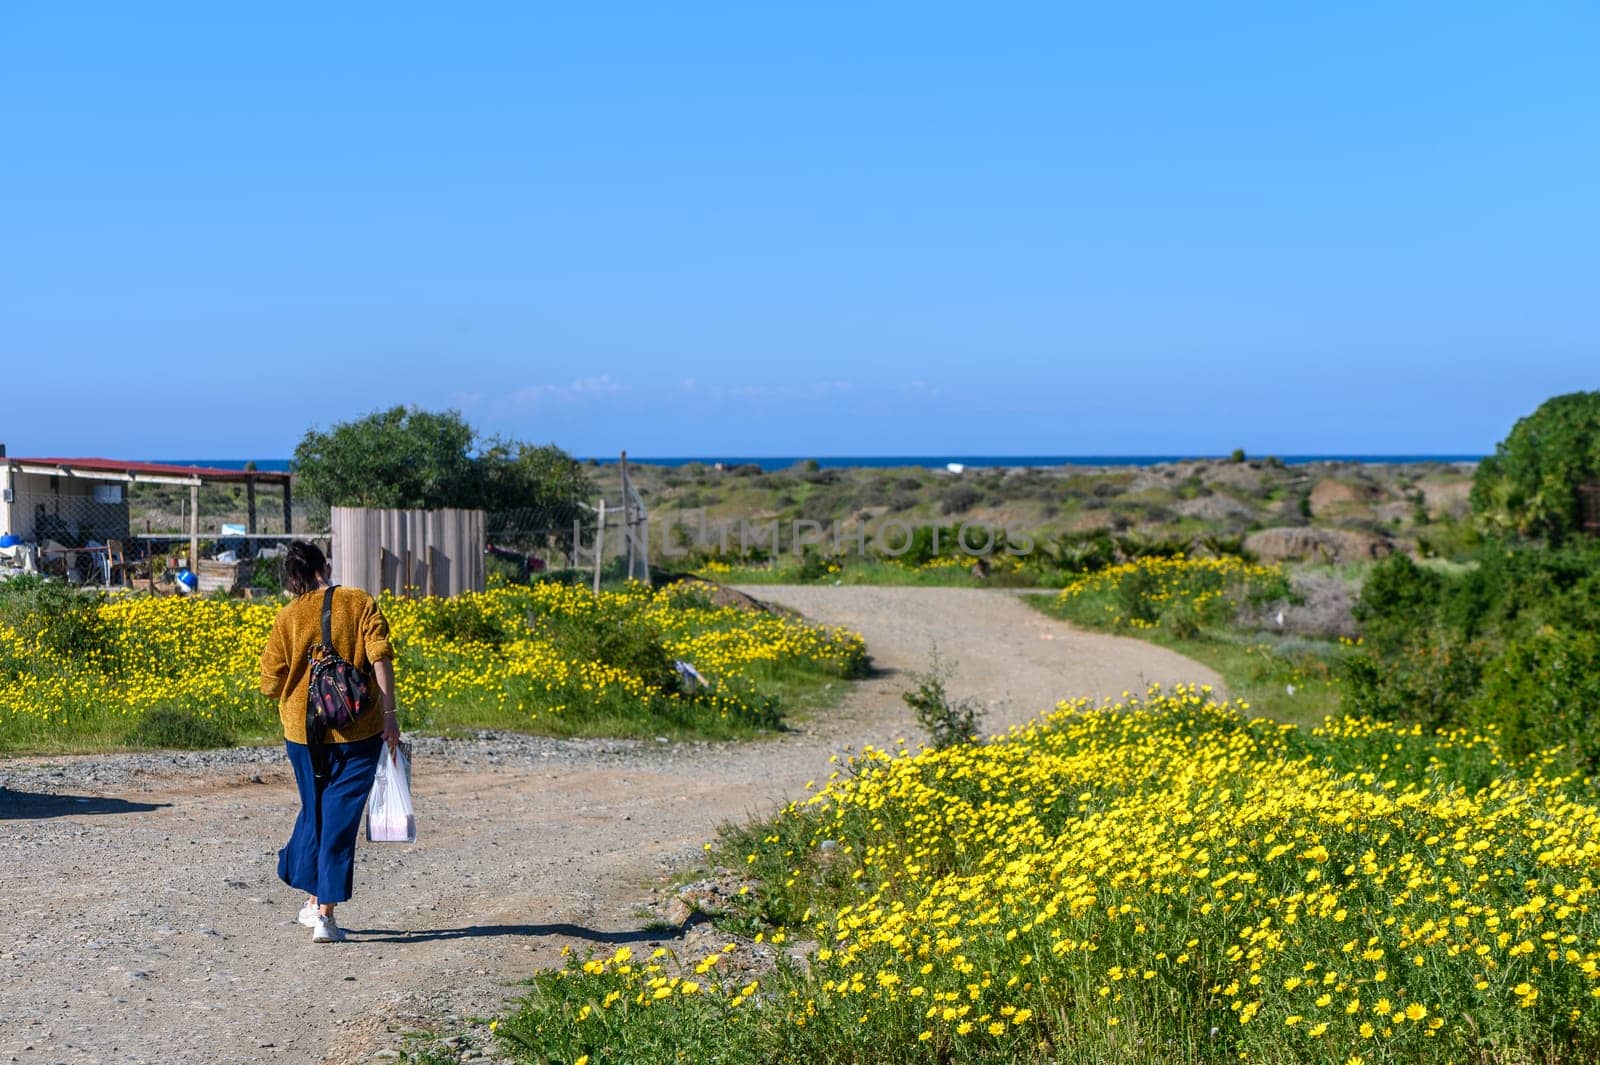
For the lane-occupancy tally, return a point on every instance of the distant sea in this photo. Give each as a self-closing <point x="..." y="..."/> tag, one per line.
<point x="772" y="462"/>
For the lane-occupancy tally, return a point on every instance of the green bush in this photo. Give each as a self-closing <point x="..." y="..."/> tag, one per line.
<point x="1183" y="620"/>
<point x="1398" y="598"/>
<point x="1430" y="681"/>
<point x="947" y="721"/>
<point x="1510" y="642"/>
<point x="1543" y="692"/>
<point x="1531" y="485"/>
<point x="55" y="616"/>
<point x="959" y="498"/>
<point x="813" y="566"/>
<point x="267" y="576"/>
<point x="1082" y="552"/>
<point x="462" y="620"/>
<point x="616" y="635"/>
<point x="177" y="729"/>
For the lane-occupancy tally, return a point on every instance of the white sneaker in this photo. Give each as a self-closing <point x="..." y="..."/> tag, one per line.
<point x="327" y="930"/>
<point x="308" y="915"/>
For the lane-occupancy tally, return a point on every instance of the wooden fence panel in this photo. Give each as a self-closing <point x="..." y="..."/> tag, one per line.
<point x="409" y="552"/>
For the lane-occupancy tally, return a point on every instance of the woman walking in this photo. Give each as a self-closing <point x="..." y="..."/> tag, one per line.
<point x="320" y="856"/>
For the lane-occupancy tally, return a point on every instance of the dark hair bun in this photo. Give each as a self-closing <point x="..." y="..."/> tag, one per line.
<point x="302" y="566"/>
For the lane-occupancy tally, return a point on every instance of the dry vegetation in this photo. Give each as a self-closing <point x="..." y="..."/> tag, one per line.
<point x="1324" y="511"/>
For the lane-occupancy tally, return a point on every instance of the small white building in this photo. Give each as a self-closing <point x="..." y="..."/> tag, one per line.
<point x="65" y="503"/>
<point x="79" y="501"/>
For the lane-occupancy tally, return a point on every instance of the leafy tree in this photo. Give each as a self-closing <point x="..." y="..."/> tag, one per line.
<point x="532" y="489"/>
<point x="1530" y="485"/>
<point x="401" y="457"/>
<point x="405" y="457"/>
<point x="516" y="476"/>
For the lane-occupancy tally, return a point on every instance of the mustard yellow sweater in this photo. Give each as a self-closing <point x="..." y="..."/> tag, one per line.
<point x="360" y="635"/>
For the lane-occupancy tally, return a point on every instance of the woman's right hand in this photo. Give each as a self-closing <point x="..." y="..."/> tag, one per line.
<point x="391" y="730"/>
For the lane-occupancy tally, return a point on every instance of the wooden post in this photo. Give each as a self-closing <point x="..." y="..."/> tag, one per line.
<point x="599" y="543"/>
<point x="288" y="510"/>
<point x="194" y="529"/>
<point x="250" y="505"/>
<point x="7" y="493"/>
<point x="577" y="533"/>
<point x="627" y="515"/>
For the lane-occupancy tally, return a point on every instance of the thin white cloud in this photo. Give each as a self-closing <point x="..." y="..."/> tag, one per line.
<point x="584" y="388"/>
<point x="753" y="393"/>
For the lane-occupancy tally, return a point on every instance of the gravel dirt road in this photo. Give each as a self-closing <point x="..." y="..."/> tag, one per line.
<point x="144" y="922"/>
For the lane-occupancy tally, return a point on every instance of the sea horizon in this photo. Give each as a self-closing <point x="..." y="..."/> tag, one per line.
<point x="773" y="463"/>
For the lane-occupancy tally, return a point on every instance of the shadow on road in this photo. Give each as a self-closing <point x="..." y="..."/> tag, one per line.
<point x="27" y="805"/>
<point x="558" y="931"/>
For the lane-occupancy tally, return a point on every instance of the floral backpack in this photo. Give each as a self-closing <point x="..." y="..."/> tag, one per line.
<point x="336" y="694"/>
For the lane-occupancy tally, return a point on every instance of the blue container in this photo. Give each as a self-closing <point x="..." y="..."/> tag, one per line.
<point x="9" y="541"/>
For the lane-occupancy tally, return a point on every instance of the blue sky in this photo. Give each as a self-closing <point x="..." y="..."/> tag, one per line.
<point x="816" y="229"/>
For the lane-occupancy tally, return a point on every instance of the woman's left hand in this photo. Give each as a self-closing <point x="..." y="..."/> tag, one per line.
<point x="391" y="730"/>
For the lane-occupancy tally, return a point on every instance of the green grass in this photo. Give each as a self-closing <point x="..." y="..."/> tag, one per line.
<point x="803" y="692"/>
<point x="1259" y="668"/>
<point x="1262" y="669"/>
<point x="81" y="675"/>
<point x="887" y="574"/>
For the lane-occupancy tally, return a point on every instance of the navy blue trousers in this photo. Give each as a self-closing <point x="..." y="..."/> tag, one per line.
<point x="321" y="856"/>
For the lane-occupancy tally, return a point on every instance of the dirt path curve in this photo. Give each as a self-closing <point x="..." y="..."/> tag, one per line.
<point x="143" y="921"/>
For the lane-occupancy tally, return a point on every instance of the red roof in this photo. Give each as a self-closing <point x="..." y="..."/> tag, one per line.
<point x="205" y="473"/>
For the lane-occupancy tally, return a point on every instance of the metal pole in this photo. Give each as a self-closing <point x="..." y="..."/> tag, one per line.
<point x="194" y="529"/>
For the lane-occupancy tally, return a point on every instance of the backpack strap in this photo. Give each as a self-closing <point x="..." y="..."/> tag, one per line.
<point x="316" y="734"/>
<point x="327" y="619"/>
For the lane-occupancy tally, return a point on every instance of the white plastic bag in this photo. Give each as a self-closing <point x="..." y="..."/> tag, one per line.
<point x="390" y="818"/>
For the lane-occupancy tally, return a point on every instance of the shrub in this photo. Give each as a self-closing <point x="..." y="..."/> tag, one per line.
<point x="1083" y="552"/>
<point x="902" y="501"/>
<point x="814" y="566"/>
<point x="615" y="634"/>
<point x="959" y="498"/>
<point x="1430" y="682"/>
<point x="1137" y="594"/>
<point x="178" y="729"/>
<point x="947" y="722"/>
<point x="1530" y="485"/>
<point x="1398" y="598"/>
<point x="1183" y="620"/>
<point x="1542" y="692"/>
<point x="1508" y="643"/>
<point x="53" y="616"/>
<point x="460" y="620"/>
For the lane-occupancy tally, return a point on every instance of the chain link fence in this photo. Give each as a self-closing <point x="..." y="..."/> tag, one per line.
<point x="105" y="532"/>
